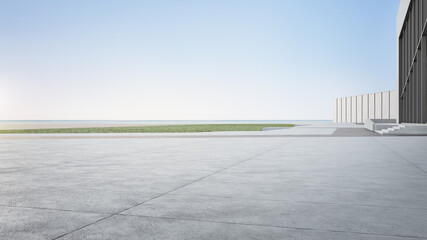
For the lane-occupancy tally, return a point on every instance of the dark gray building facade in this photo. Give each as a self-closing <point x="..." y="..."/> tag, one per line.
<point x="412" y="61"/>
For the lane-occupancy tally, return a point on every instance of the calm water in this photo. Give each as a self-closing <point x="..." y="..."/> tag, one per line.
<point x="157" y="122"/>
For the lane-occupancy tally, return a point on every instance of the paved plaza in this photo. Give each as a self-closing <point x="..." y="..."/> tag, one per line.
<point x="295" y="187"/>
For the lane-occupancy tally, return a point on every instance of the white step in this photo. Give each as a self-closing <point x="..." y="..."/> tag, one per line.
<point x="391" y="129"/>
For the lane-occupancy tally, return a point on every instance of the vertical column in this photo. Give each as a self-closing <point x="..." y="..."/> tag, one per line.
<point x="404" y="57"/>
<point x="344" y="107"/>
<point x="361" y="107"/>
<point x="415" y="88"/>
<point x="394" y="106"/>
<point x="424" y="11"/>
<point x="354" y="109"/>
<point x="343" y="114"/>
<point x="423" y="81"/>
<point x="378" y="105"/>
<point x="400" y="88"/>
<point x="382" y="105"/>
<point x="411" y="94"/>
<point x="411" y="46"/>
<point x="335" y="111"/>
<point x="359" y="111"/>
<point x="385" y="107"/>
<point x="365" y="106"/>
<point x="371" y="108"/>
<point x="348" y="107"/>
<point x="390" y="114"/>
<point x="407" y="57"/>
<point x="342" y="110"/>
<point x="418" y="72"/>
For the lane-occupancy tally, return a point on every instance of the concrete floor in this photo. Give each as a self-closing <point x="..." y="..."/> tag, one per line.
<point x="214" y="188"/>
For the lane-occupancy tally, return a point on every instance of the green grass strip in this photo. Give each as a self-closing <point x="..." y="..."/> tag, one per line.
<point x="154" y="129"/>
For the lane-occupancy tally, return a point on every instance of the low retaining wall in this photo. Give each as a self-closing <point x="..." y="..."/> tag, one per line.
<point x="356" y="109"/>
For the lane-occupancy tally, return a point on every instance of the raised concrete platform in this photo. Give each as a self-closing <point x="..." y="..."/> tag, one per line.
<point x="214" y="188"/>
<point x="379" y="124"/>
<point x="353" y="132"/>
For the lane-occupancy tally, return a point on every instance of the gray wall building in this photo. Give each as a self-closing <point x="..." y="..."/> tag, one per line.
<point x="356" y="109"/>
<point x="412" y="61"/>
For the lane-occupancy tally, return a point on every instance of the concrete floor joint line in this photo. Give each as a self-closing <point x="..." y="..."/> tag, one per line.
<point x="274" y="226"/>
<point x="306" y="202"/>
<point x="400" y="156"/>
<point x="118" y="213"/>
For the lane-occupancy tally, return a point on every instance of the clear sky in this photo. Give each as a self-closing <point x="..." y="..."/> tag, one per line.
<point x="219" y="59"/>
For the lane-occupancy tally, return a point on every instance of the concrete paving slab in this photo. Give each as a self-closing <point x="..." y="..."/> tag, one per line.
<point x="413" y="149"/>
<point x="322" y="180"/>
<point x="331" y="217"/>
<point x="142" y="184"/>
<point x="146" y="228"/>
<point x="71" y="199"/>
<point x="265" y="190"/>
<point x="215" y="187"/>
<point x="29" y="223"/>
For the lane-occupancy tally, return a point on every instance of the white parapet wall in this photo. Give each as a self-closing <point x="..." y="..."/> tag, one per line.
<point x="356" y="109"/>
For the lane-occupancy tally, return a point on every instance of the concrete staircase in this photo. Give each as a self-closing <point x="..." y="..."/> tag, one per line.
<point x="390" y="129"/>
<point x="377" y="125"/>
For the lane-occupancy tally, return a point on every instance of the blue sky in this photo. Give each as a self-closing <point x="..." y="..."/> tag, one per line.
<point x="234" y="59"/>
